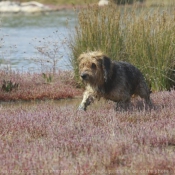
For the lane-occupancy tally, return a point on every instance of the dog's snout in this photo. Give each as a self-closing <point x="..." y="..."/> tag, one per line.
<point x="84" y="75"/>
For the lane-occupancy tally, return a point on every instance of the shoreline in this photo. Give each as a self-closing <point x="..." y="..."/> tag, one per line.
<point x="7" y="7"/>
<point x="66" y="7"/>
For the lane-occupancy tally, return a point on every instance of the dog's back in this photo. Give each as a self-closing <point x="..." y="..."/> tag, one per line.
<point x="131" y="76"/>
<point x="126" y="80"/>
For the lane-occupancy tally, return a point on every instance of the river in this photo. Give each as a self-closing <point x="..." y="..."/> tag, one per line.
<point x="21" y="34"/>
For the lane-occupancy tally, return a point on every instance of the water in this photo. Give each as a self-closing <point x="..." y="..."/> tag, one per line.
<point x="20" y="35"/>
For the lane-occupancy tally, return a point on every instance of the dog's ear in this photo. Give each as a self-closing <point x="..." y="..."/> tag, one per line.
<point x="81" y="57"/>
<point x="106" y="65"/>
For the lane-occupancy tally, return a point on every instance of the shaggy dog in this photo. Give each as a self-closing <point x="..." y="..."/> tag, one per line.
<point x="116" y="81"/>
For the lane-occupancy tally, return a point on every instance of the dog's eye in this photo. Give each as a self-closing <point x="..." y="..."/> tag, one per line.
<point x="93" y="66"/>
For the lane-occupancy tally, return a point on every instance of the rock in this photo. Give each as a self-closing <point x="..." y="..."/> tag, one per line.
<point x="103" y="2"/>
<point x="27" y="7"/>
<point x="11" y="9"/>
<point x="7" y="6"/>
<point x="32" y="3"/>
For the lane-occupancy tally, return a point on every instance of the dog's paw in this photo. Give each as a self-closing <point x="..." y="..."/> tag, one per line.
<point x="81" y="108"/>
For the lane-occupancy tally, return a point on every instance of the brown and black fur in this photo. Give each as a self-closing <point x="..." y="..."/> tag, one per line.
<point x="112" y="80"/>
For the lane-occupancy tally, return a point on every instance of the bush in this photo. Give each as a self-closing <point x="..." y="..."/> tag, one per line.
<point x="123" y="1"/>
<point x="160" y="2"/>
<point x="141" y="36"/>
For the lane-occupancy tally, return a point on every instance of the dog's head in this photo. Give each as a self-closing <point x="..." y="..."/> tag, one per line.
<point x="94" y="68"/>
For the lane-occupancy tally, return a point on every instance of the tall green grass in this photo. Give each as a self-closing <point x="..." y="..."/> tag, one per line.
<point x="144" y="37"/>
<point x="160" y="2"/>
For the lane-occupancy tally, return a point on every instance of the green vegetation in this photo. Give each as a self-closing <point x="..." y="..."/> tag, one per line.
<point x="138" y="35"/>
<point x="8" y="86"/>
<point x="47" y="78"/>
<point x="160" y="2"/>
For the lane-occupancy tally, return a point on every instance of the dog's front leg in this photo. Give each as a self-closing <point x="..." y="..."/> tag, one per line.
<point x="88" y="98"/>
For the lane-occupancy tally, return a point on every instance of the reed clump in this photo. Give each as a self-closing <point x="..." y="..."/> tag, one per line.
<point x="160" y="2"/>
<point x="139" y="35"/>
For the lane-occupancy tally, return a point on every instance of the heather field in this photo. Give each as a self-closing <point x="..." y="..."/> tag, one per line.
<point x="55" y="138"/>
<point x="41" y="130"/>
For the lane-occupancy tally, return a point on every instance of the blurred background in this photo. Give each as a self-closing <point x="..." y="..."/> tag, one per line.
<point x="26" y="27"/>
